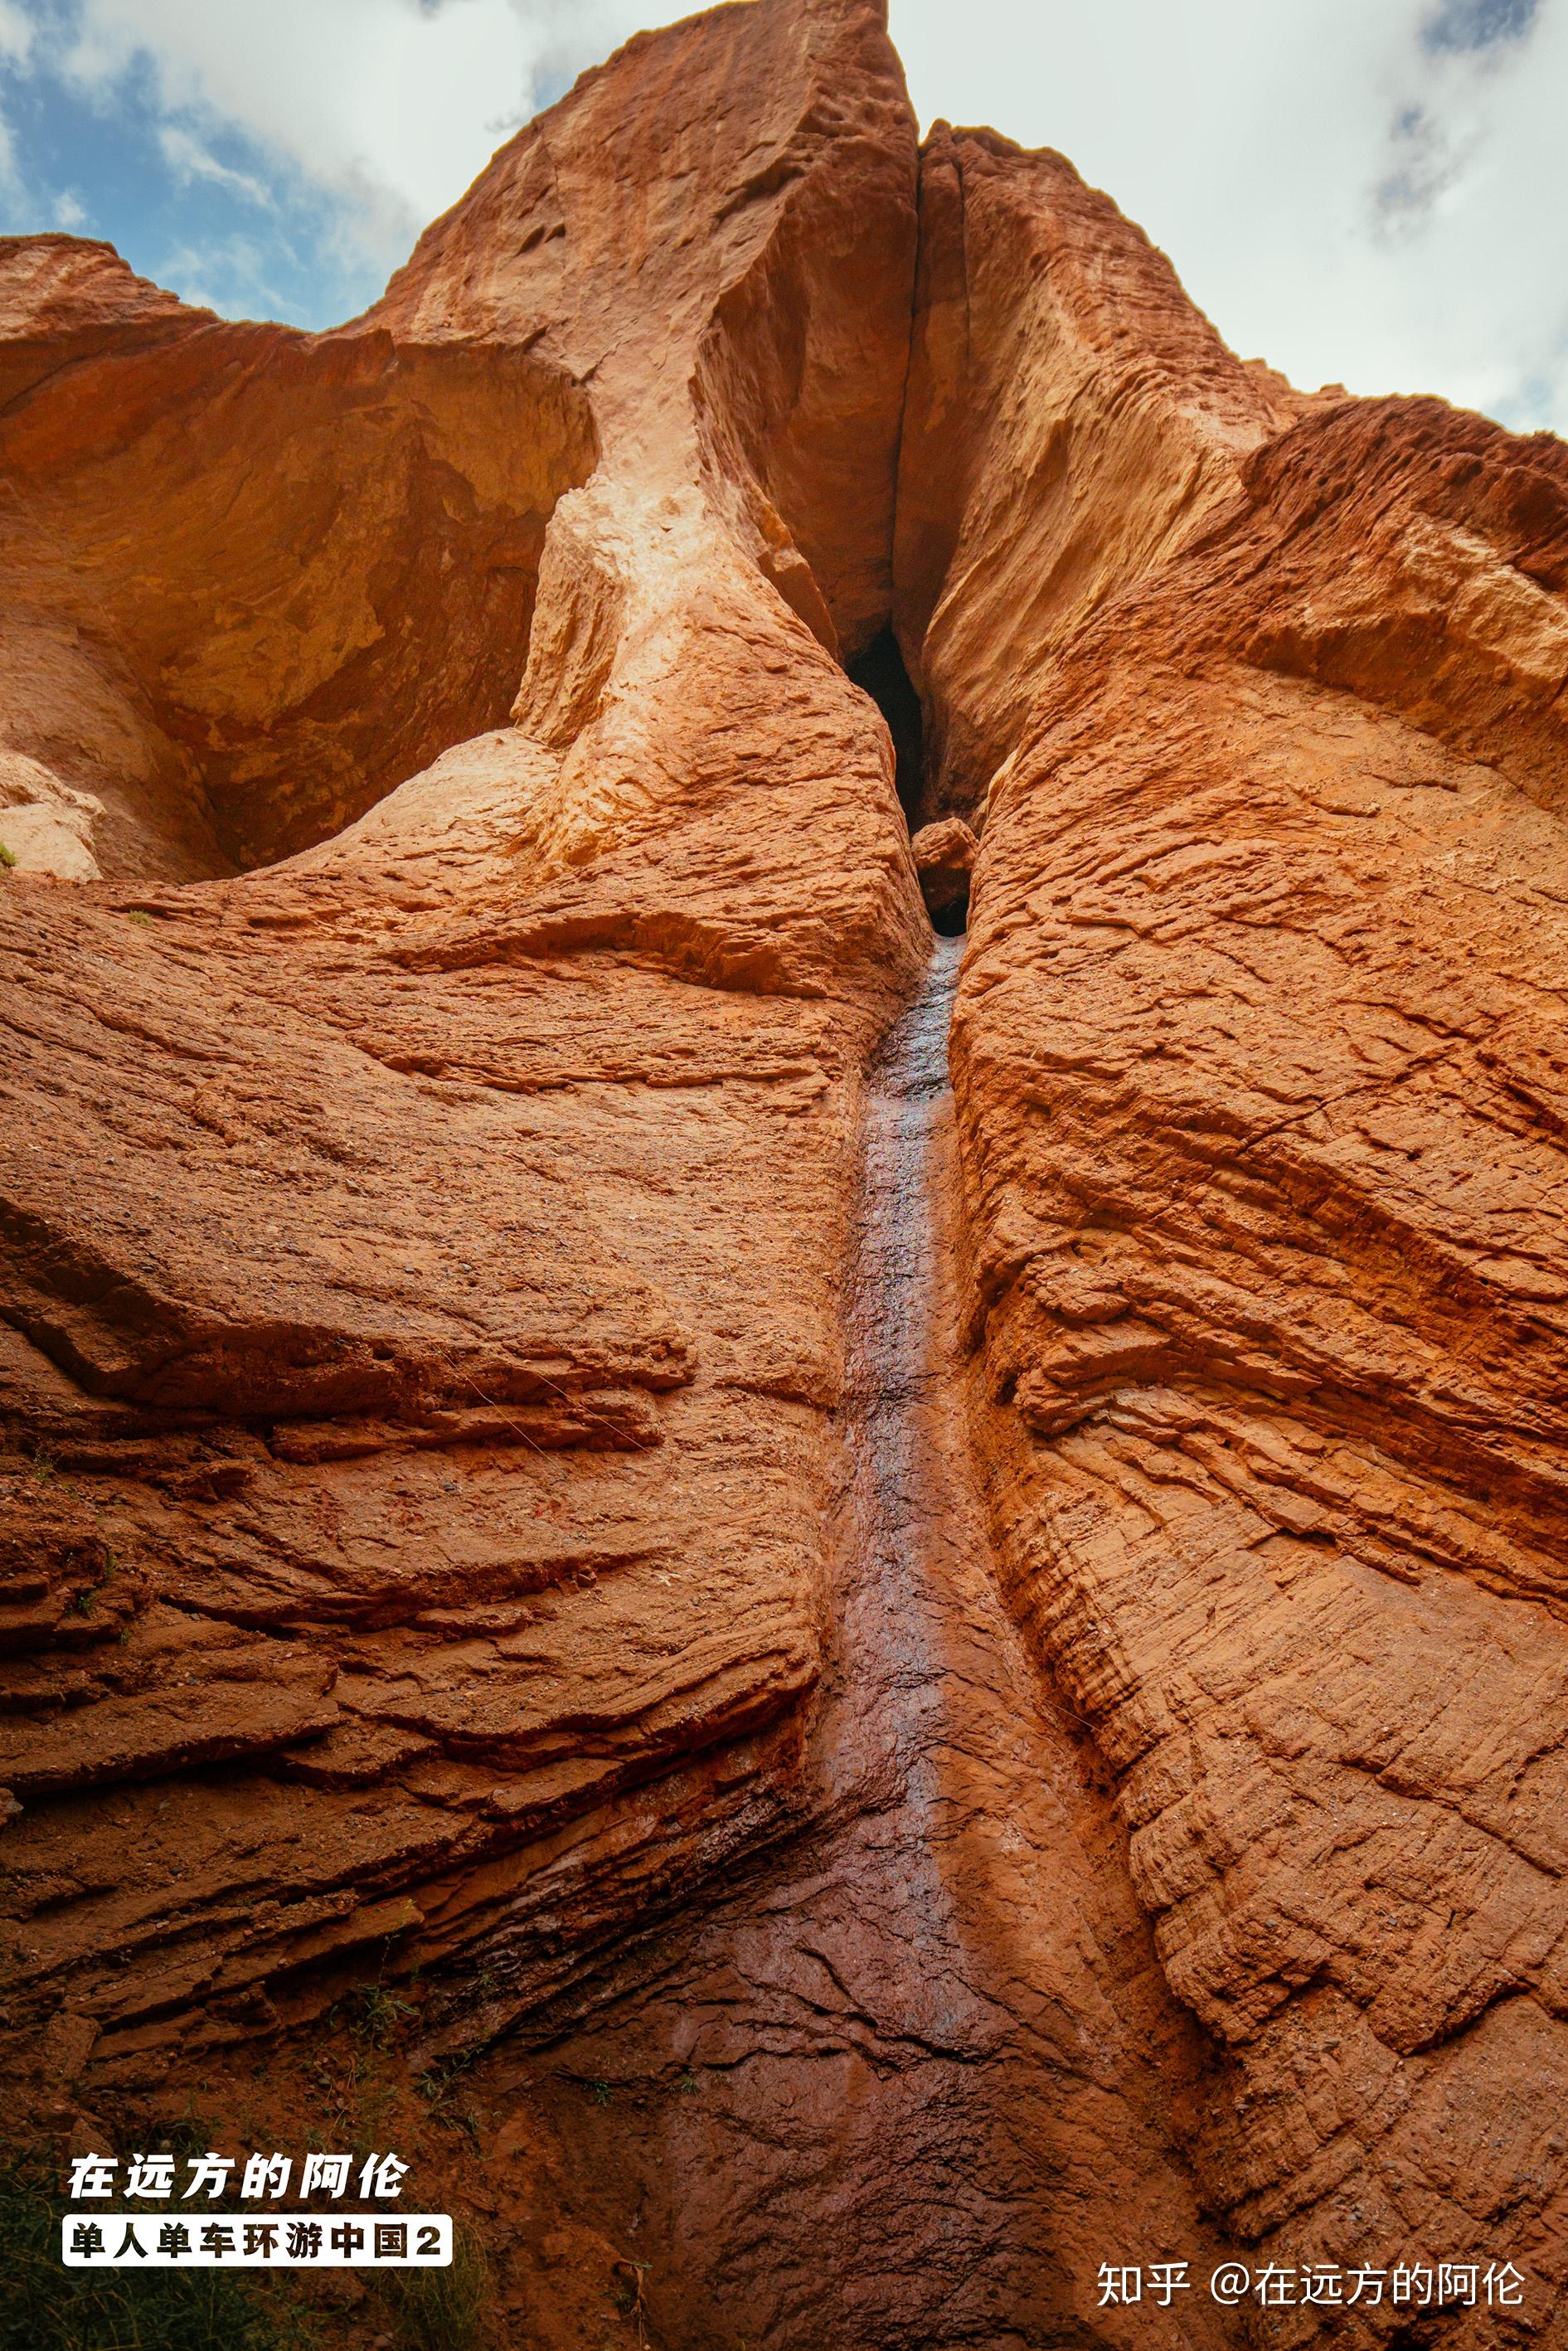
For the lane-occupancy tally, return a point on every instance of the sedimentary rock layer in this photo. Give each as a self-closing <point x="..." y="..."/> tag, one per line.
<point x="423" y="1254"/>
<point x="1070" y="420"/>
<point x="1262" y="1114"/>
<point x="1013" y="1641"/>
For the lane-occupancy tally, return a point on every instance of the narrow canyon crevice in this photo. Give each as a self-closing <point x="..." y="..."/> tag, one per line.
<point x="880" y="671"/>
<point x="803" y="1389"/>
<point x="891" y="2082"/>
<point x="897" y="2082"/>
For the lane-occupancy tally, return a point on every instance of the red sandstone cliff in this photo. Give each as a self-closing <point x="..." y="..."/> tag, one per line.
<point x="1010" y="1640"/>
<point x="423" y="1254"/>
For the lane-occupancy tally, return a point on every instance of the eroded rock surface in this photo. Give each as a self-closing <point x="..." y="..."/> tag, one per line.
<point x="1256" y="1075"/>
<point x="424" y="1257"/>
<point x="1070" y="420"/>
<point x="944" y="860"/>
<point x="989" y="1665"/>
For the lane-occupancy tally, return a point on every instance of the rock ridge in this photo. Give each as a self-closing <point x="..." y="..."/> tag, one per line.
<point x="998" y="1610"/>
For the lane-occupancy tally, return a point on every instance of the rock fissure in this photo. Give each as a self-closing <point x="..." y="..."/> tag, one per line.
<point x="880" y="1557"/>
<point x="937" y="1843"/>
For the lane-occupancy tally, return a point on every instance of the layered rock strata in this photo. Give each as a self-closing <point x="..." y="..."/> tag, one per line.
<point x="423" y="1254"/>
<point x="905" y="2082"/>
<point x="1263" y="1143"/>
<point x="1014" y="1640"/>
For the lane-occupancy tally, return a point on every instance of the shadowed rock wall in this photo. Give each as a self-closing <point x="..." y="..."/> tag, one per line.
<point x="424" y="1257"/>
<point x="1262" y="1150"/>
<point x="1014" y="1637"/>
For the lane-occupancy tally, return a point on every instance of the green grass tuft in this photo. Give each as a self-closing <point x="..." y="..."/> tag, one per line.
<point x="46" y="2307"/>
<point x="377" y="2017"/>
<point x="7" y="856"/>
<point x="442" y="2310"/>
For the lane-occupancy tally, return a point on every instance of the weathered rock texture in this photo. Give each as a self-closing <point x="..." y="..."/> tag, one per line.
<point x="1012" y="1641"/>
<point x="1070" y="421"/>
<point x="944" y="860"/>
<point x="424" y="1257"/>
<point x="1263" y="1112"/>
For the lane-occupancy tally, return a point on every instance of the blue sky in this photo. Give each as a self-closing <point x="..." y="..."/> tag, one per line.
<point x="271" y="158"/>
<point x="1370" y="192"/>
<point x="215" y="219"/>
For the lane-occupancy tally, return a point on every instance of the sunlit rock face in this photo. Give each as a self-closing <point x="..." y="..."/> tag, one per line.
<point x="955" y="1542"/>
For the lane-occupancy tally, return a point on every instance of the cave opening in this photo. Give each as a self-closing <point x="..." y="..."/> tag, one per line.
<point x="880" y="671"/>
<point x="950" y="913"/>
<point x="943" y="873"/>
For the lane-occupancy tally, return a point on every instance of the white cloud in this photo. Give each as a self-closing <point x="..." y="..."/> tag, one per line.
<point x="359" y="121"/>
<point x="16" y="32"/>
<point x="390" y="105"/>
<point x="15" y="44"/>
<point x="1371" y="191"/>
<point x="228" y="275"/>
<point x="189" y="160"/>
<point x="69" y="213"/>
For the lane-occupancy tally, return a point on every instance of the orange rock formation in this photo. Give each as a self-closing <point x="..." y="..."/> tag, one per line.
<point x="1011" y="1638"/>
